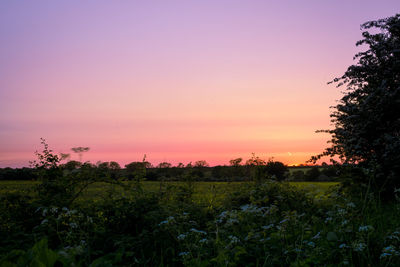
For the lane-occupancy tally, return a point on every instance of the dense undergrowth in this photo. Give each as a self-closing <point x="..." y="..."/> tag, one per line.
<point x="259" y="224"/>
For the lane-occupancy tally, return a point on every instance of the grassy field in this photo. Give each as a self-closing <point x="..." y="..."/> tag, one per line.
<point x="205" y="193"/>
<point x="199" y="224"/>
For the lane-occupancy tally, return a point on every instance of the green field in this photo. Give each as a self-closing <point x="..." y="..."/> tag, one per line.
<point x="205" y="193"/>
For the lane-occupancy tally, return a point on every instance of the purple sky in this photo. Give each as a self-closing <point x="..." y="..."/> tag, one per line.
<point x="178" y="80"/>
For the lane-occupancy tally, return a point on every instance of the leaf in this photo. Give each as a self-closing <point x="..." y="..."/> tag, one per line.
<point x="331" y="236"/>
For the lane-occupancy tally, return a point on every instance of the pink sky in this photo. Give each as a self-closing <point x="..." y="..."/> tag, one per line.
<point x="179" y="81"/>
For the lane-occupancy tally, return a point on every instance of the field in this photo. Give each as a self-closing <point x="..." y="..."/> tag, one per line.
<point x="196" y="224"/>
<point x="205" y="193"/>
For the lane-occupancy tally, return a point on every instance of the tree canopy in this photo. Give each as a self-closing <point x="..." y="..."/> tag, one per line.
<point x="367" y="118"/>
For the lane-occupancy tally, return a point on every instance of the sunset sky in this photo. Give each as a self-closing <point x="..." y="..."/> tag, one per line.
<point x="179" y="81"/>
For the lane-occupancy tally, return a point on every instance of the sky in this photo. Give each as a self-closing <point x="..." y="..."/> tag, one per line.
<point x="179" y="81"/>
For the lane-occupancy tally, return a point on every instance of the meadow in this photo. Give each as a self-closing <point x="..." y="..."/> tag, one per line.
<point x="149" y="223"/>
<point x="205" y="193"/>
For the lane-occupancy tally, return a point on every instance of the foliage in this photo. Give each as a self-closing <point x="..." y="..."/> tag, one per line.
<point x="270" y="224"/>
<point x="235" y="162"/>
<point x="276" y="169"/>
<point x="367" y="118"/>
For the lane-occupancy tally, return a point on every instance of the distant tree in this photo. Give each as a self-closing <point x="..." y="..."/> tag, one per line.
<point x="72" y="165"/>
<point x="189" y="165"/>
<point x="313" y="173"/>
<point x="103" y="165"/>
<point x="180" y="165"/>
<point x="80" y="150"/>
<point x="235" y="162"/>
<point x="201" y="163"/>
<point x="298" y="175"/>
<point x="255" y="161"/>
<point x="136" y="165"/>
<point x="64" y="156"/>
<point x="276" y="169"/>
<point x="164" y="165"/>
<point x="137" y="169"/>
<point x="114" y="165"/>
<point x="115" y="169"/>
<point x="367" y="118"/>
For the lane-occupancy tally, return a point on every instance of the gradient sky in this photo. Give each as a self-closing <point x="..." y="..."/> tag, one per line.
<point x="179" y="81"/>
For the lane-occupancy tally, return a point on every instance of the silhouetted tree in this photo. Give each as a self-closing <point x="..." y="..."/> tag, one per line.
<point x="80" y="150"/>
<point x="367" y="118"/>
<point x="180" y="165"/>
<point x="72" y="165"/>
<point x="276" y="169"/>
<point x="313" y="173"/>
<point x="201" y="163"/>
<point x="164" y="165"/>
<point x="64" y="156"/>
<point x="235" y="162"/>
<point x="255" y="161"/>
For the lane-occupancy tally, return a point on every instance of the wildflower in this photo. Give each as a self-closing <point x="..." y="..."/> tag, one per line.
<point x="181" y="236"/>
<point x="198" y="231"/>
<point x="311" y="244"/>
<point x="234" y="239"/>
<point x="328" y="219"/>
<point x="351" y="205"/>
<point x="246" y="207"/>
<point x="44" y="221"/>
<point x="202" y="241"/>
<point x="359" y="247"/>
<point x="317" y="236"/>
<point x="341" y="211"/>
<point x="343" y="246"/>
<point x="283" y="221"/>
<point x="223" y="214"/>
<point x="184" y="253"/>
<point x="385" y="254"/>
<point x="168" y="220"/>
<point x="365" y="228"/>
<point x="73" y="225"/>
<point x="231" y="221"/>
<point x="54" y="210"/>
<point x="389" y="249"/>
<point x="266" y="227"/>
<point x="44" y="212"/>
<point x="345" y="222"/>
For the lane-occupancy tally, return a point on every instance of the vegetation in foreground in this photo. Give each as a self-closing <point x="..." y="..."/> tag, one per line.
<point x="257" y="224"/>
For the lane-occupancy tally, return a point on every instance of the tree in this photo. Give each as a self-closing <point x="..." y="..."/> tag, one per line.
<point x="277" y="169"/>
<point x="164" y="165"/>
<point x="367" y="118"/>
<point x="180" y="165"/>
<point x="313" y="173"/>
<point x="64" y="156"/>
<point x="235" y="162"/>
<point x="114" y="166"/>
<point x="255" y="160"/>
<point x="72" y="165"/>
<point x="201" y="164"/>
<point x="80" y="150"/>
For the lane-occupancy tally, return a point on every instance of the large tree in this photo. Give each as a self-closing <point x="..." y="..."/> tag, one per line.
<point x="367" y="119"/>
